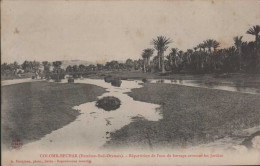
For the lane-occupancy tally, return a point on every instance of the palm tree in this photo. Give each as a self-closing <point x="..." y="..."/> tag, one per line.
<point x="216" y="57"/>
<point x="203" y="46"/>
<point x="238" y="44"/>
<point x="172" y="57"/>
<point x="161" y="45"/>
<point x="215" y="45"/>
<point x="147" y="53"/>
<point x="254" y="31"/>
<point x="200" y="46"/>
<point x="189" y="53"/>
<point x="144" y="56"/>
<point x="209" y="43"/>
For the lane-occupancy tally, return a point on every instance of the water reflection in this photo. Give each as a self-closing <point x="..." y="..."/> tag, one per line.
<point x="17" y="81"/>
<point x="227" y="86"/>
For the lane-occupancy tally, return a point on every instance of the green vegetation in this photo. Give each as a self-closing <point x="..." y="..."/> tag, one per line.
<point x="32" y="110"/>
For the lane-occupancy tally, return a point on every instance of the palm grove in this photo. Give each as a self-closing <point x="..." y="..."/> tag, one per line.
<point x="206" y="57"/>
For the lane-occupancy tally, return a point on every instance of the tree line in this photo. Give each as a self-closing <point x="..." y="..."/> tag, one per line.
<point x="206" y="57"/>
<point x="55" y="67"/>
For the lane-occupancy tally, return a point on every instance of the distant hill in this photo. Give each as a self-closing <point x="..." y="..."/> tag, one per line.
<point x="66" y="63"/>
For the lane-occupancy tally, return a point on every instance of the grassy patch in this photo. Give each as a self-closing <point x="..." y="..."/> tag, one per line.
<point x="190" y="116"/>
<point x="32" y="110"/>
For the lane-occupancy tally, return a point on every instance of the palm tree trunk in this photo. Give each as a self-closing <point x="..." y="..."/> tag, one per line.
<point x="148" y="61"/>
<point x="240" y="58"/>
<point x="144" y="66"/>
<point x="172" y="62"/>
<point x="163" y="69"/>
<point x="257" y="42"/>
<point x="159" y="59"/>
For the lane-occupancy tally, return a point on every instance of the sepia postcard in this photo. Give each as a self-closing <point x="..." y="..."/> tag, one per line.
<point x="149" y="82"/>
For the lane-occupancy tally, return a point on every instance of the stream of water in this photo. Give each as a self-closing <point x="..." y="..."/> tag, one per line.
<point x="226" y="86"/>
<point x="92" y="128"/>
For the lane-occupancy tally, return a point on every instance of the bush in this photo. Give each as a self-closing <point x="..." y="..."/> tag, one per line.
<point x="144" y="80"/>
<point x="124" y="78"/>
<point x="55" y="76"/>
<point x="160" y="81"/>
<point x="70" y="80"/>
<point x="116" y="82"/>
<point x="108" y="103"/>
<point x="57" y="80"/>
<point x="75" y="76"/>
<point x="108" y="79"/>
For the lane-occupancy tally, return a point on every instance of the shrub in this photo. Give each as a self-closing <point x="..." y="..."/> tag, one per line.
<point x="124" y="78"/>
<point x="108" y="103"/>
<point x="116" y="82"/>
<point x="70" y="80"/>
<point x="108" y="79"/>
<point x="144" y="80"/>
<point x="57" y="80"/>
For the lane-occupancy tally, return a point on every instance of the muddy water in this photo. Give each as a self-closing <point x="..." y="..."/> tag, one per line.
<point x="92" y="128"/>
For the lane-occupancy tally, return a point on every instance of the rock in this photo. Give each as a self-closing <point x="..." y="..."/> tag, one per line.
<point x="108" y="103"/>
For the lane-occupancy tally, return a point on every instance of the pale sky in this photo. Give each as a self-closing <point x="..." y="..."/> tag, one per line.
<point x="102" y="31"/>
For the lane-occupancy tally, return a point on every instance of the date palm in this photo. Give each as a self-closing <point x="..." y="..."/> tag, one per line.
<point x="172" y="56"/>
<point x="238" y="43"/>
<point x="215" y="45"/>
<point x="209" y="44"/>
<point x="254" y="31"/>
<point x="189" y="53"/>
<point x="203" y="46"/>
<point x="200" y="46"/>
<point x="161" y="44"/>
<point x="147" y="53"/>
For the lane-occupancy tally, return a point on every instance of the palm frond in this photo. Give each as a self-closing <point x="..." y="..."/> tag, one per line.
<point x="254" y="30"/>
<point x="161" y="42"/>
